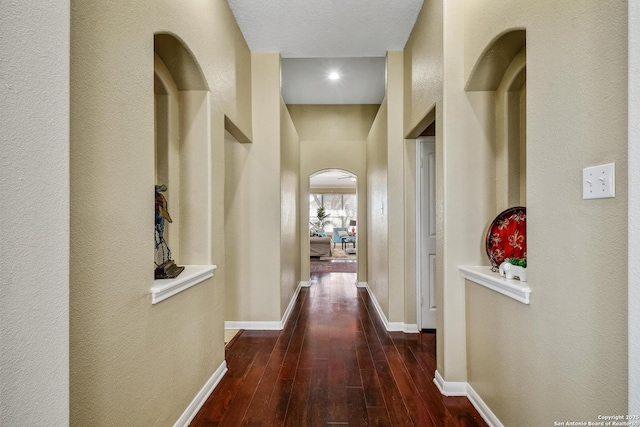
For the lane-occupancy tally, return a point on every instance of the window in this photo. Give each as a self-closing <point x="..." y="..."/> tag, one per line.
<point x="342" y="208"/>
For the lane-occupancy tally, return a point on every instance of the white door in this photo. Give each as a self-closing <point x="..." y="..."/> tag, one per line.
<point x="427" y="244"/>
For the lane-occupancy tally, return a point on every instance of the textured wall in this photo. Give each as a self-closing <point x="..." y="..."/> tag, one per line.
<point x="395" y="187"/>
<point x="434" y="89"/>
<point x="468" y="189"/>
<point x="634" y="208"/>
<point x="333" y="122"/>
<point x="423" y="65"/>
<point x="573" y="336"/>
<point x="252" y="204"/>
<point x="34" y="194"/>
<point x="289" y="208"/>
<point x="378" y="209"/>
<point x="333" y="137"/>
<point x="133" y="363"/>
<point x="423" y="62"/>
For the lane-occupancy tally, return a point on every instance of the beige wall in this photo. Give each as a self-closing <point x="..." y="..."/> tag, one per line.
<point x="377" y="209"/>
<point x="133" y="363"/>
<point x="468" y="189"/>
<point x="289" y="209"/>
<point x="195" y="181"/>
<point x="423" y="66"/>
<point x="34" y="238"/>
<point x="333" y="137"/>
<point x="395" y="188"/>
<point x="167" y="148"/>
<point x="126" y="356"/>
<point x="333" y="122"/>
<point x="252" y="204"/>
<point x="634" y="208"/>
<point x="573" y="336"/>
<point x="423" y="103"/>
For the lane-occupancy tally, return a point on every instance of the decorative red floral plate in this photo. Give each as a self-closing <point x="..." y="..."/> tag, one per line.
<point x="507" y="236"/>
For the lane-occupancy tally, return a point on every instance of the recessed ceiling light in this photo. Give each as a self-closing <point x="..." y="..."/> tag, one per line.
<point x="334" y="76"/>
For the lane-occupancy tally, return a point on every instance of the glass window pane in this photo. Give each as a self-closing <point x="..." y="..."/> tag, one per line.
<point x="342" y="208"/>
<point x="333" y="206"/>
<point x="350" y="208"/>
<point x="315" y="201"/>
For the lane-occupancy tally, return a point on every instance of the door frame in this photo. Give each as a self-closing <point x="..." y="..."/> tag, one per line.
<point x="305" y="236"/>
<point x="418" y="213"/>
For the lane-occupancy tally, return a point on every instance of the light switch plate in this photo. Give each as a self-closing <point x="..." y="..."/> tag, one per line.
<point x="599" y="182"/>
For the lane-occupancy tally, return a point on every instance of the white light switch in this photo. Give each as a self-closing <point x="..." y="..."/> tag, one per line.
<point x="599" y="182"/>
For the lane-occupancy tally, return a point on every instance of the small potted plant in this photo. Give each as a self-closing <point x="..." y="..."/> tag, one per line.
<point x="514" y="267"/>
<point x="321" y="219"/>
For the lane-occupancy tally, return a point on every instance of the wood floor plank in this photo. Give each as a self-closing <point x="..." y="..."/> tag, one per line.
<point x="398" y="412"/>
<point x="297" y="410"/>
<point x="352" y="367"/>
<point x="334" y="363"/>
<point x="379" y="417"/>
<point x="217" y="404"/>
<point x="279" y="402"/>
<point x="412" y="397"/>
<point x="318" y="394"/>
<point x="259" y="407"/>
<point x="357" y="414"/>
<point x="371" y="388"/>
<point x="240" y="402"/>
<point x="337" y="409"/>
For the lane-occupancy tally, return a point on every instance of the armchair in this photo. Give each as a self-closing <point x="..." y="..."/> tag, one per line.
<point x="337" y="238"/>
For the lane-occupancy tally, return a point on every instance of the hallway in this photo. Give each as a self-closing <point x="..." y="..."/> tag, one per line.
<point x="333" y="364"/>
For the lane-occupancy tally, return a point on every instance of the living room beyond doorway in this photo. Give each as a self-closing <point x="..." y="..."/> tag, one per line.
<point x="332" y="221"/>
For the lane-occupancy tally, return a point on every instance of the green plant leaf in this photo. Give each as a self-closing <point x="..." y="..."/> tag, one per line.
<point x="520" y="262"/>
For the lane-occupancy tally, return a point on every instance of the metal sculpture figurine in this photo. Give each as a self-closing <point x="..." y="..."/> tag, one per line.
<point x="165" y="267"/>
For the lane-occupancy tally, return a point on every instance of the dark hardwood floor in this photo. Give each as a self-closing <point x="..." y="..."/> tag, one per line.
<point x="333" y="364"/>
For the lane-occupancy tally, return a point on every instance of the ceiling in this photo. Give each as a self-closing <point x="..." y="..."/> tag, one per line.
<point x="333" y="178"/>
<point x="306" y="80"/>
<point x="316" y="38"/>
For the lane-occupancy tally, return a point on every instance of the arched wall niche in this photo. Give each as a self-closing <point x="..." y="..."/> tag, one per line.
<point x="183" y="148"/>
<point x="511" y="118"/>
<point x="180" y="62"/>
<point x="488" y="70"/>
<point x="502" y="69"/>
<point x="167" y="148"/>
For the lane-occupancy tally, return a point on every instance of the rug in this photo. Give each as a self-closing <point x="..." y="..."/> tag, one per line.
<point x="333" y="266"/>
<point x="338" y="253"/>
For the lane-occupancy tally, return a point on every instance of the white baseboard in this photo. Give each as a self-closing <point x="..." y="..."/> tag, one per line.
<point x="202" y="396"/>
<point x="482" y="408"/>
<point x="253" y="325"/>
<point x="268" y="326"/>
<point x="292" y="303"/>
<point x="451" y="388"/>
<point x="410" y="328"/>
<point x="389" y="326"/>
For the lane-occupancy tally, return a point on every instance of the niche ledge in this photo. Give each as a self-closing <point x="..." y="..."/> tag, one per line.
<point x="483" y="276"/>
<point x="191" y="276"/>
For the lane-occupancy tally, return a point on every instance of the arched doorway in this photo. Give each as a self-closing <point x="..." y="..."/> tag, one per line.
<point x="333" y="212"/>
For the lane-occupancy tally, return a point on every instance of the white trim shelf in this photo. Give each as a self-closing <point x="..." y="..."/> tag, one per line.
<point x="191" y="276"/>
<point x="483" y="276"/>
